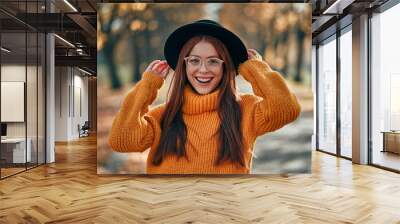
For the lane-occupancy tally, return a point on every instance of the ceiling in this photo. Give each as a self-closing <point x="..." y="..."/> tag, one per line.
<point x="73" y="21"/>
<point x="330" y="15"/>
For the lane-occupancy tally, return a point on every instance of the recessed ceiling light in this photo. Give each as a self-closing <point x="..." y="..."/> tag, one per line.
<point x="337" y="7"/>
<point x="84" y="71"/>
<point x="70" y="5"/>
<point x="5" y="49"/>
<point x="64" y="40"/>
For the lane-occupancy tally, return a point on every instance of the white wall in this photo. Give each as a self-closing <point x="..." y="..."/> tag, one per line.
<point x="14" y="73"/>
<point x="71" y="94"/>
<point x="62" y="81"/>
<point x="33" y="126"/>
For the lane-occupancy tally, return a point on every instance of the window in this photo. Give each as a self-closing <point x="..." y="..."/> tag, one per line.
<point x="327" y="96"/>
<point x="23" y="77"/>
<point x="385" y="89"/>
<point x="346" y="93"/>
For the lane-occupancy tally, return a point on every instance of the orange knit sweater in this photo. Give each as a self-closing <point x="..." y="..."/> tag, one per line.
<point x="136" y="128"/>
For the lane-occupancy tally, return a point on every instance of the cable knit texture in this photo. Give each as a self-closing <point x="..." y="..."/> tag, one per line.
<point x="136" y="128"/>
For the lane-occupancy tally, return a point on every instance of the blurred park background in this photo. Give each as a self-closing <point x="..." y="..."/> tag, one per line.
<point x="131" y="35"/>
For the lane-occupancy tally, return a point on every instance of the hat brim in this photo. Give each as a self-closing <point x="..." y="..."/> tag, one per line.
<point x="180" y="36"/>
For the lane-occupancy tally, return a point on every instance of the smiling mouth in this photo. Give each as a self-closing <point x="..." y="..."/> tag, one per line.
<point x="203" y="79"/>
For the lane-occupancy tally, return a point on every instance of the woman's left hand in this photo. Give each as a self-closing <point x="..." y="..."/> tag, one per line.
<point x="253" y="54"/>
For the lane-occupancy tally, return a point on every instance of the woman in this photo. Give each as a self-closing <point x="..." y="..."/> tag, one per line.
<point x="205" y="127"/>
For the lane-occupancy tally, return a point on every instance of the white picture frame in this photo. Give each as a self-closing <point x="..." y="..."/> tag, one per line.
<point x="12" y="101"/>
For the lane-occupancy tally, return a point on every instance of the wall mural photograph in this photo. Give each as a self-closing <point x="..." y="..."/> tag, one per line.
<point x="202" y="92"/>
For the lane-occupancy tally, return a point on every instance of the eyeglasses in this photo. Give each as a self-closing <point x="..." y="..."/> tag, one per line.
<point x="196" y="62"/>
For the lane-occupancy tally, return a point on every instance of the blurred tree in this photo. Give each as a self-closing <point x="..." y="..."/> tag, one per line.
<point x="147" y="27"/>
<point x="112" y="25"/>
<point x="151" y="27"/>
<point x="262" y="27"/>
<point x="254" y="25"/>
<point x="283" y="30"/>
<point x="302" y="28"/>
<point x="271" y="29"/>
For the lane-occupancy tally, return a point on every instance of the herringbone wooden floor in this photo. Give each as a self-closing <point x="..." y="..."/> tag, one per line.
<point x="70" y="191"/>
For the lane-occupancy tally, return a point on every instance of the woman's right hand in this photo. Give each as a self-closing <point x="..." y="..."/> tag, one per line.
<point x="158" y="67"/>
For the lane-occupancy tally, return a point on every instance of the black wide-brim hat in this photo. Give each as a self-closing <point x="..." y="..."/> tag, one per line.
<point x="180" y="36"/>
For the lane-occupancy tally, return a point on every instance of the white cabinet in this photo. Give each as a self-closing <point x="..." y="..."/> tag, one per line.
<point x="17" y="146"/>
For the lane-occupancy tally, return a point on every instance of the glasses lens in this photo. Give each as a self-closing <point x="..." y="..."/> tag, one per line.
<point x="213" y="62"/>
<point x="194" y="61"/>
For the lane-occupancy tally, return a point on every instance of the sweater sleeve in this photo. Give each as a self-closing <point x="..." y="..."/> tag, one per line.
<point x="133" y="127"/>
<point x="277" y="106"/>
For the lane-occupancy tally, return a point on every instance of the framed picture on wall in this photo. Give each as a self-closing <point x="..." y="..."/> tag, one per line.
<point x="12" y="101"/>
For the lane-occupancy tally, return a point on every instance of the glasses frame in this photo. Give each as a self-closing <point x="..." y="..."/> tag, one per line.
<point x="186" y="59"/>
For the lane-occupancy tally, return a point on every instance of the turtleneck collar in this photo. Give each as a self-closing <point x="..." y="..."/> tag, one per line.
<point x="196" y="104"/>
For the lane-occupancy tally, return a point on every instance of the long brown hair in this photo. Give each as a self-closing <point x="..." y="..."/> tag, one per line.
<point x="173" y="134"/>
